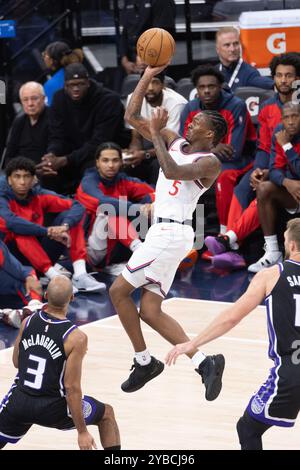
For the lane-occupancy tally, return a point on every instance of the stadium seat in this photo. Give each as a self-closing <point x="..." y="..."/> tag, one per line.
<point x="253" y="98"/>
<point x="185" y="86"/>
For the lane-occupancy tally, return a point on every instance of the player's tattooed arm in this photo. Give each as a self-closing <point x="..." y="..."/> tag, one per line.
<point x="133" y="111"/>
<point x="206" y="169"/>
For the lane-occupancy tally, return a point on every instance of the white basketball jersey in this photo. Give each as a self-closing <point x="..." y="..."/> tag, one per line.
<point x="176" y="199"/>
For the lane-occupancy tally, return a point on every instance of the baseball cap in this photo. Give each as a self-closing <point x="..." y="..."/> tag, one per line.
<point x="75" y="71"/>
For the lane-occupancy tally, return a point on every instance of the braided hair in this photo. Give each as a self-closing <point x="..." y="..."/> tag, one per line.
<point x="218" y="124"/>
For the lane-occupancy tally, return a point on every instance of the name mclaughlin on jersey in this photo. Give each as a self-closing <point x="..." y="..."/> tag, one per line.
<point x="46" y="342"/>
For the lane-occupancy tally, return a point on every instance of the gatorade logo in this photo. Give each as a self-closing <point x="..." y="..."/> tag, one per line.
<point x="276" y="43"/>
<point x="252" y="105"/>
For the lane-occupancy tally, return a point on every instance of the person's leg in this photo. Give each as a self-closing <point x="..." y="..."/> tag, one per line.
<point x="152" y="314"/>
<point x="120" y="294"/>
<point x="210" y="368"/>
<point x="145" y="367"/>
<point x="33" y="251"/>
<point x="224" y="191"/>
<point x="108" y="430"/>
<point x="269" y="199"/>
<point x="250" y="432"/>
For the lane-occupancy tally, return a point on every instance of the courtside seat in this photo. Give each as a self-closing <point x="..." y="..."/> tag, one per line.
<point x="253" y="98"/>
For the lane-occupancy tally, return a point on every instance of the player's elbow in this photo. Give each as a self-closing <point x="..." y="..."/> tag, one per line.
<point x="215" y="167"/>
<point x="72" y="389"/>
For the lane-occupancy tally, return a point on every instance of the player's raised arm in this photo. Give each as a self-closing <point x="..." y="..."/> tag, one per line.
<point x="227" y="319"/>
<point x="133" y="111"/>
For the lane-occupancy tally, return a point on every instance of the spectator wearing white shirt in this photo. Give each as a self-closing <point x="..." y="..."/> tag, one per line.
<point x="142" y="162"/>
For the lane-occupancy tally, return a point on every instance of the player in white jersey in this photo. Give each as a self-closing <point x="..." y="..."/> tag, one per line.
<point x="188" y="169"/>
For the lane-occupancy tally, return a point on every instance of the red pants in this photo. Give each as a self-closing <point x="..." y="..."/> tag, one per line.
<point x="224" y="191"/>
<point x="31" y="248"/>
<point x="242" y="222"/>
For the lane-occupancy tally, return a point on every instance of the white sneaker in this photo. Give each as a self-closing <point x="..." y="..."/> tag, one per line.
<point x="11" y="317"/>
<point x="87" y="283"/>
<point x="269" y="259"/>
<point x="62" y="270"/>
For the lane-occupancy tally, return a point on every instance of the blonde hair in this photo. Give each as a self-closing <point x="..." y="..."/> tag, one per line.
<point x="227" y="29"/>
<point x="293" y="228"/>
<point x="74" y="57"/>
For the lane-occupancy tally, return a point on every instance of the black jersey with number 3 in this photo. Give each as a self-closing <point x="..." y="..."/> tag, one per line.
<point x="42" y="356"/>
<point x="283" y="308"/>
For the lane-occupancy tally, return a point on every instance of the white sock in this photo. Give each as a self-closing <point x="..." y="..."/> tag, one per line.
<point x="79" y="267"/>
<point x="232" y="239"/>
<point x="197" y="358"/>
<point x="143" y="358"/>
<point x="222" y="229"/>
<point x="135" y="244"/>
<point x="271" y="243"/>
<point x="51" y="273"/>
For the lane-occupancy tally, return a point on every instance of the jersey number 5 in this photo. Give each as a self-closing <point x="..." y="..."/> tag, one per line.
<point x="175" y="188"/>
<point x="38" y="372"/>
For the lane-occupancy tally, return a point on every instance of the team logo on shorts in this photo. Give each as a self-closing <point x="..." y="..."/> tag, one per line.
<point x="86" y="409"/>
<point x="257" y="405"/>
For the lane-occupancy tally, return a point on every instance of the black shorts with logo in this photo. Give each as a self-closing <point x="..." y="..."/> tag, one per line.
<point x="19" y="411"/>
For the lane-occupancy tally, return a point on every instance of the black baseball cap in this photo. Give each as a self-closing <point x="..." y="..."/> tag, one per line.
<point x="75" y="71"/>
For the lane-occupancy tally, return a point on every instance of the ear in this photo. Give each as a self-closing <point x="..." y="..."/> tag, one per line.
<point x="210" y="134"/>
<point x="9" y="180"/>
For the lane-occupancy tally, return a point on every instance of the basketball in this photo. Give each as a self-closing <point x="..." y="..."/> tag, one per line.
<point x="155" y="47"/>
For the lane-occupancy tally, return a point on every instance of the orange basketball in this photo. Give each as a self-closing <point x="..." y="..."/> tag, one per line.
<point x="155" y="46"/>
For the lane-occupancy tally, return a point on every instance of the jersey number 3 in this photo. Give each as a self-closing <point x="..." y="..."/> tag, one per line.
<point x="175" y="188"/>
<point x="38" y="372"/>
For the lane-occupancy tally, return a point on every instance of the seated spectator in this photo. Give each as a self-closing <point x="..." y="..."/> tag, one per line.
<point x="236" y="71"/>
<point x="106" y="185"/>
<point x="243" y="217"/>
<point x="142" y="162"/>
<point x="236" y="150"/>
<point x="283" y="189"/>
<point x="57" y="56"/>
<point x="16" y="279"/>
<point x="23" y="207"/>
<point x="82" y="116"/>
<point x="29" y="132"/>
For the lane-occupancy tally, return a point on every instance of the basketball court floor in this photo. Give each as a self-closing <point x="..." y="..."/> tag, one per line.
<point x="170" y="412"/>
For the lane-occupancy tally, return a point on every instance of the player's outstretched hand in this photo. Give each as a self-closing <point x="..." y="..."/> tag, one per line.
<point x="86" y="441"/>
<point x="179" y="349"/>
<point x="159" y="119"/>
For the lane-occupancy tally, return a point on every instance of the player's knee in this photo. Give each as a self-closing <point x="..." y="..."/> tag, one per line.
<point x="249" y="432"/>
<point x="148" y="315"/>
<point x="108" y="413"/>
<point x="265" y="190"/>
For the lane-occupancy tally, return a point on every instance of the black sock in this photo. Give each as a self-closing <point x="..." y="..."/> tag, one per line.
<point x="113" y="448"/>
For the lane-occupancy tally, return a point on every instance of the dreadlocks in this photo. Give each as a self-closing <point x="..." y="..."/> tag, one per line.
<point x="218" y="124"/>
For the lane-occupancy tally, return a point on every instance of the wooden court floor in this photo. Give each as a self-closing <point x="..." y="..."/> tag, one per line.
<point x="170" y="412"/>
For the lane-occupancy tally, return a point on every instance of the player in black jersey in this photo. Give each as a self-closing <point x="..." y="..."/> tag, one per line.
<point x="48" y="354"/>
<point x="277" y="402"/>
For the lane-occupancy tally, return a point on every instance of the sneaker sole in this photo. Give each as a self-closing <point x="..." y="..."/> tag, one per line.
<point x="223" y="264"/>
<point x="216" y="386"/>
<point x="134" y="389"/>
